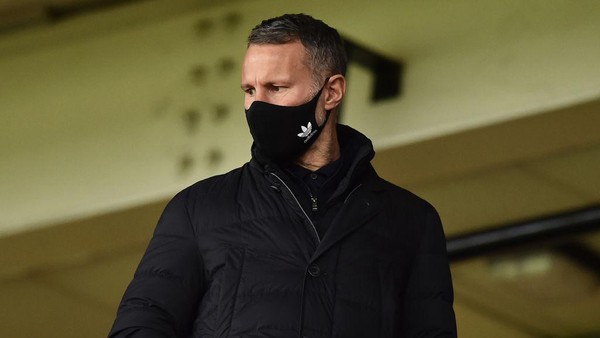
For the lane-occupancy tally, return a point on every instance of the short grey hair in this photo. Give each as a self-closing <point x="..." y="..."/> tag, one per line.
<point x="323" y="44"/>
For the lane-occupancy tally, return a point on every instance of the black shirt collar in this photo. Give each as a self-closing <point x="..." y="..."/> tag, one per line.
<point x="318" y="179"/>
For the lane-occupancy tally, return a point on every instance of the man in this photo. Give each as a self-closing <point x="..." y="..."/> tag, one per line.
<point x="305" y="240"/>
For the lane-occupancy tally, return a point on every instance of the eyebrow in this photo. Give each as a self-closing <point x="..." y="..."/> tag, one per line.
<point x="274" y="81"/>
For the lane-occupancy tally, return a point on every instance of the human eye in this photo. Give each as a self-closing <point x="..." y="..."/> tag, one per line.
<point x="276" y="88"/>
<point x="249" y="91"/>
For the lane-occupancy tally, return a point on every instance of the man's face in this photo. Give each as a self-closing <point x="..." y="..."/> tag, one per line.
<point x="276" y="74"/>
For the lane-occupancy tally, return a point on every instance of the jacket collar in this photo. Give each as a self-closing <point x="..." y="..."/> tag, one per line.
<point x="358" y="190"/>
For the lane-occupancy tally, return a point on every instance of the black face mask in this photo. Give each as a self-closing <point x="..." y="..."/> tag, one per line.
<point x="283" y="133"/>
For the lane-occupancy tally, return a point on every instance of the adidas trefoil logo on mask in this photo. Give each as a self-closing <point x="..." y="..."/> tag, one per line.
<point x="307" y="132"/>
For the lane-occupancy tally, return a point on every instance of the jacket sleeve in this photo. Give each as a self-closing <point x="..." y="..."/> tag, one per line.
<point x="162" y="298"/>
<point x="429" y="295"/>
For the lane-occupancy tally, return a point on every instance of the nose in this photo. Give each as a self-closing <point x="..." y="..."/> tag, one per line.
<point x="259" y="95"/>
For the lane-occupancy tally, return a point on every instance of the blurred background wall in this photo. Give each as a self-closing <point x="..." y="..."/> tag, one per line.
<point x="108" y="108"/>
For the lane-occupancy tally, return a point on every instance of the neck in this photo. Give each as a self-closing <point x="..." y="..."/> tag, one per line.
<point x="325" y="150"/>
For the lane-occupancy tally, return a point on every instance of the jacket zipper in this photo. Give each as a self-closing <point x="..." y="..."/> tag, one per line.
<point x="314" y="202"/>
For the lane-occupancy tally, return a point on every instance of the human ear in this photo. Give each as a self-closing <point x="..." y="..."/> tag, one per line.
<point x="335" y="90"/>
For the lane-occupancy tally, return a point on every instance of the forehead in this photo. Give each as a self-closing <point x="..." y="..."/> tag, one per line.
<point x="289" y="56"/>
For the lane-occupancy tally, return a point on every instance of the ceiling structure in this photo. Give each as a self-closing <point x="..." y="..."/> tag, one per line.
<point x="65" y="280"/>
<point x="20" y="14"/>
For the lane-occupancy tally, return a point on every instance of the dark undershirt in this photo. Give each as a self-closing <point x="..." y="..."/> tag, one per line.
<point x="319" y="186"/>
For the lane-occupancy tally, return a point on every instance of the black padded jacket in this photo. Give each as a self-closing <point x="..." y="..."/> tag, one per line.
<point x="237" y="255"/>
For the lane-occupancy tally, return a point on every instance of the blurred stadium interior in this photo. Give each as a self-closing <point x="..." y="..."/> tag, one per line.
<point x="109" y="107"/>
